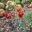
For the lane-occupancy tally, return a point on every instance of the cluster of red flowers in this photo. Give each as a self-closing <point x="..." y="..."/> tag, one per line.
<point x="8" y="15"/>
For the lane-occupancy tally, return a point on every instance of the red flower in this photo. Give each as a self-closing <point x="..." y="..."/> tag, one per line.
<point x="20" y="12"/>
<point x="7" y="15"/>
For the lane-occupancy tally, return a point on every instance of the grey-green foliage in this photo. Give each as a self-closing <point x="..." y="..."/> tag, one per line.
<point x="28" y="16"/>
<point x="20" y="23"/>
<point x="24" y="1"/>
<point x="17" y="1"/>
